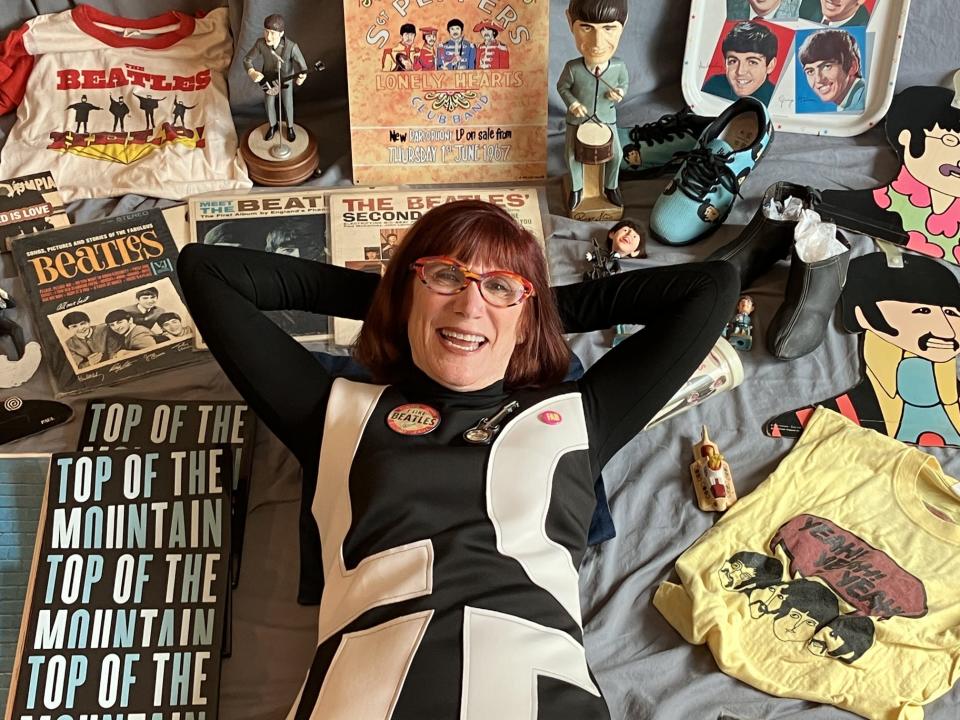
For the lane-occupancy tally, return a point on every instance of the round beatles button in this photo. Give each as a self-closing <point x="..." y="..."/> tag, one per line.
<point x="413" y="419"/>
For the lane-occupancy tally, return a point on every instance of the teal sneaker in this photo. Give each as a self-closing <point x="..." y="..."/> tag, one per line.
<point x="659" y="147"/>
<point x="700" y="196"/>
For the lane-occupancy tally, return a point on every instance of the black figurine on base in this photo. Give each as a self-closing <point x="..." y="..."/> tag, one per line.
<point x="281" y="65"/>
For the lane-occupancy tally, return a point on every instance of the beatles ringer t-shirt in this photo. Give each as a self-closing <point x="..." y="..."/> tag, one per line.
<point x="113" y="105"/>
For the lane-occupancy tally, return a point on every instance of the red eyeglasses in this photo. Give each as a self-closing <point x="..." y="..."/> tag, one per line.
<point x="446" y="276"/>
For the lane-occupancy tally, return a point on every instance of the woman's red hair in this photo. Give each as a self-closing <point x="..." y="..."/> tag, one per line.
<point x="470" y="231"/>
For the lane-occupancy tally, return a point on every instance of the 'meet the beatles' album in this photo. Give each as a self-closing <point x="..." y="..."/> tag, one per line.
<point x="820" y="66"/>
<point x="447" y="92"/>
<point x="287" y="223"/>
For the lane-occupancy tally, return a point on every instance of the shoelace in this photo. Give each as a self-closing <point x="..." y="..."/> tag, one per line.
<point x="702" y="170"/>
<point x="676" y="124"/>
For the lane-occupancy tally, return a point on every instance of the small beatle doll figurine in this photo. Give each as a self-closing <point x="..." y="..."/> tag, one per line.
<point x="625" y="239"/>
<point x="739" y="331"/>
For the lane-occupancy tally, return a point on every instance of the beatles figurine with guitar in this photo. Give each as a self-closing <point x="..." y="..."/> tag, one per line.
<point x="278" y="152"/>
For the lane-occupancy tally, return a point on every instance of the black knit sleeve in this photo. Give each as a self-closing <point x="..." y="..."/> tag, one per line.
<point x="682" y="308"/>
<point x="227" y="289"/>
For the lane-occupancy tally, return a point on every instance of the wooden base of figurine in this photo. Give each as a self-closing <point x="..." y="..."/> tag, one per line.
<point x="593" y="205"/>
<point x="299" y="162"/>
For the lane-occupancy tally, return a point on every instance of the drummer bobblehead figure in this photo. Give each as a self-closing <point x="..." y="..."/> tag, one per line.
<point x="592" y="85"/>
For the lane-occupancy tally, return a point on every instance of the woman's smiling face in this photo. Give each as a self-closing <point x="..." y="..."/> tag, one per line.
<point x="461" y="341"/>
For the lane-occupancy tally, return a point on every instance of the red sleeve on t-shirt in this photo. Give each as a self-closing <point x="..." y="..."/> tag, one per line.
<point x="15" y="66"/>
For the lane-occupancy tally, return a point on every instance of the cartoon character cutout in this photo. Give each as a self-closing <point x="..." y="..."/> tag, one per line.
<point x="920" y="208"/>
<point x="910" y="321"/>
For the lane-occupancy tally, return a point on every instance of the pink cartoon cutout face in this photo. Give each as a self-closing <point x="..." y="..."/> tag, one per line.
<point x="938" y="166"/>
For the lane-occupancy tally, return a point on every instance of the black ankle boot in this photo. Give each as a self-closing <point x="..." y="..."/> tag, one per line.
<point x="763" y="241"/>
<point x="812" y="292"/>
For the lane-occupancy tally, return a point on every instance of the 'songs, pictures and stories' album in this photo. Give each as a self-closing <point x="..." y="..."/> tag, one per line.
<point x="106" y="301"/>
<point x="447" y="92"/>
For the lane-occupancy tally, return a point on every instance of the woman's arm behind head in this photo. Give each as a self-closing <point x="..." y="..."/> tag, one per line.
<point x="227" y="289"/>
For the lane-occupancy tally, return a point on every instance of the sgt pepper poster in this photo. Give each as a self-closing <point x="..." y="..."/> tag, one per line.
<point x="447" y="91"/>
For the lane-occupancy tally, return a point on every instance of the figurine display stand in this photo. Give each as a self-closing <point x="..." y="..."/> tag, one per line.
<point x="593" y="205"/>
<point x="14" y="373"/>
<point x="297" y="160"/>
<point x="711" y="476"/>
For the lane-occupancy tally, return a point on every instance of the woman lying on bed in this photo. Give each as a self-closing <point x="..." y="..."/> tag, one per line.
<point x="446" y="507"/>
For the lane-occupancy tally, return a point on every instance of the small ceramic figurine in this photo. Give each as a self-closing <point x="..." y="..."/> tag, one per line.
<point x="739" y="331"/>
<point x="278" y="56"/>
<point x="711" y="476"/>
<point x="591" y="86"/>
<point x="276" y="64"/>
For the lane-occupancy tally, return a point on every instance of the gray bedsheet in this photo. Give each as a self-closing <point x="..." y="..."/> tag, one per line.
<point x="644" y="667"/>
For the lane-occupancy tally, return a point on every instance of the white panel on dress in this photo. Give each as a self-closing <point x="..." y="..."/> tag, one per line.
<point x="502" y="657"/>
<point x="390" y="576"/>
<point x="519" y="486"/>
<point x="368" y="670"/>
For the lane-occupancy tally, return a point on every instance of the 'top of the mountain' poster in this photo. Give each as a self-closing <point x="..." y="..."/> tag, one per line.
<point x="447" y="92"/>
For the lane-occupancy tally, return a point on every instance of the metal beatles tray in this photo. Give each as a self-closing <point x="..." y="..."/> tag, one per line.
<point x="818" y="78"/>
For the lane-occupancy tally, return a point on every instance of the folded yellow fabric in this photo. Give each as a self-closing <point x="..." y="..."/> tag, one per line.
<point x="836" y="580"/>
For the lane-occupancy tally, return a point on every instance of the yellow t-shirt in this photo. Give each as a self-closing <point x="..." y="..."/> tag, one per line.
<point x="837" y="580"/>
